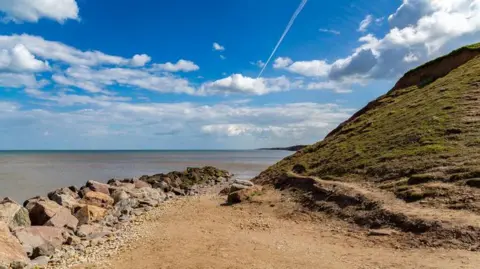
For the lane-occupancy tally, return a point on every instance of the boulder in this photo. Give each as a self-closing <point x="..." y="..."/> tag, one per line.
<point x="119" y="195"/>
<point x="41" y="211"/>
<point x="93" y="231"/>
<point x="41" y="261"/>
<point x="124" y="207"/>
<point x="30" y="203"/>
<point x="243" y="195"/>
<point x="98" y="187"/>
<point x="13" y="214"/>
<point x="246" y="183"/>
<point x="65" y="197"/>
<point x="89" y="214"/>
<point x="36" y="236"/>
<point x="141" y="184"/>
<point x="63" y="218"/>
<point x="178" y="191"/>
<point x="99" y="199"/>
<point x="117" y="183"/>
<point x="147" y="196"/>
<point x="43" y="250"/>
<point x="162" y="185"/>
<point x="10" y="248"/>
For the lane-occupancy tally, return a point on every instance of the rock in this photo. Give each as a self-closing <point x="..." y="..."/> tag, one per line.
<point x="93" y="231"/>
<point x="10" y="248"/>
<point x="65" y="197"/>
<point x="90" y="213"/>
<point x="246" y="183"/>
<point x="224" y="191"/>
<point x="119" y="195"/>
<point x="73" y="240"/>
<point x="163" y="186"/>
<point x="117" y="183"/>
<point x="98" y="187"/>
<point x="35" y="236"/>
<point x="141" y="184"/>
<point x="43" y="250"/>
<point x="42" y="210"/>
<point x="18" y="265"/>
<point x="125" y="207"/>
<point x="40" y="261"/>
<point x="30" y="203"/>
<point x="99" y="199"/>
<point x="13" y="214"/>
<point x="243" y="195"/>
<point x="148" y="196"/>
<point x="63" y="218"/>
<point x="178" y="191"/>
<point x="236" y="187"/>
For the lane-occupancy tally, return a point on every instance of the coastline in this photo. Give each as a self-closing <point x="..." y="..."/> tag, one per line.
<point x="73" y="225"/>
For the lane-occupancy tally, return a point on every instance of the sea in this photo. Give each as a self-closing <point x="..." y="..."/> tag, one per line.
<point x="25" y="174"/>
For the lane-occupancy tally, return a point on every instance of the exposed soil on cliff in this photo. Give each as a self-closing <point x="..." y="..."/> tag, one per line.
<point x="272" y="231"/>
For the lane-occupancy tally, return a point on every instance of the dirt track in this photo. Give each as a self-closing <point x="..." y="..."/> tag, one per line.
<point x="272" y="233"/>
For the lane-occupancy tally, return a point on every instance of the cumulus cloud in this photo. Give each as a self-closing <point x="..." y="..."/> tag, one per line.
<point x="218" y="47"/>
<point x="140" y="59"/>
<point x="181" y="65"/>
<point x="258" y="63"/>
<point x="282" y="62"/>
<point x="56" y="51"/>
<point x="237" y="83"/>
<point x="19" y="59"/>
<point x="17" y="80"/>
<point x="420" y="30"/>
<point x="365" y="23"/>
<point x="125" y="124"/>
<point x="33" y="10"/>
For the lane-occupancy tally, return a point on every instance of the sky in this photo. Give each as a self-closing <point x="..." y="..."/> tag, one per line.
<point x="187" y="74"/>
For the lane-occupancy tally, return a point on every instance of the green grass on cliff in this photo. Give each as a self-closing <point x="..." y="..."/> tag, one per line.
<point x="433" y="130"/>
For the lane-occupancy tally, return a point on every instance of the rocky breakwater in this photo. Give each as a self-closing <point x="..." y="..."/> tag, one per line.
<point x="64" y="227"/>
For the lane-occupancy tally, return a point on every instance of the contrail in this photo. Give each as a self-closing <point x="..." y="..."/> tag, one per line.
<point x="289" y="25"/>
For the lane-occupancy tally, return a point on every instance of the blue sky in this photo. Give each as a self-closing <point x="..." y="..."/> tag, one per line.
<point x="84" y="74"/>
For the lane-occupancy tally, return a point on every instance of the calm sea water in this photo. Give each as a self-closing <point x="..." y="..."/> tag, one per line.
<point x="24" y="174"/>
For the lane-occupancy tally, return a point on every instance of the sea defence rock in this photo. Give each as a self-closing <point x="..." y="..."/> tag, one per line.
<point x="10" y="248"/>
<point x="13" y="214"/>
<point x="49" y="213"/>
<point x="243" y="195"/>
<point x="99" y="199"/>
<point x="38" y="236"/>
<point x="71" y="219"/>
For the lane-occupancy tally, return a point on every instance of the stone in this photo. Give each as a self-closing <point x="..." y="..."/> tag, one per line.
<point x="42" y="210"/>
<point x="141" y="184"/>
<point x="30" y="203"/>
<point x="63" y="218"/>
<point x="40" y="261"/>
<point x="18" y="265"/>
<point x="65" y="197"/>
<point x="125" y="207"/>
<point x="117" y="183"/>
<point x="36" y="236"/>
<point x="119" y="195"/>
<point x="93" y="231"/>
<point x="73" y="240"/>
<point x="247" y="183"/>
<point x="14" y="214"/>
<point x="243" y="195"/>
<point x="43" y="250"/>
<point x="381" y="232"/>
<point x="163" y="186"/>
<point x="98" y="187"/>
<point x="10" y="248"/>
<point x="236" y="187"/>
<point x="178" y="191"/>
<point x="147" y="196"/>
<point x="89" y="214"/>
<point x="99" y="199"/>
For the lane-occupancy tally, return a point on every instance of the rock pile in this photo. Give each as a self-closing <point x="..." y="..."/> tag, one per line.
<point x="69" y="220"/>
<point x="240" y="191"/>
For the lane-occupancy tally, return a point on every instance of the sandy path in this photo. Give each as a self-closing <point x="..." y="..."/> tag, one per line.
<point x="200" y="233"/>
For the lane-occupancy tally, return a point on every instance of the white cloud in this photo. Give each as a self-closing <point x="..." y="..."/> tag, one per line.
<point x="258" y="63"/>
<point x="222" y="57"/>
<point x="19" y="59"/>
<point x="17" y="80"/>
<point x="282" y="62"/>
<point x="33" y="10"/>
<point x="237" y="83"/>
<point x="64" y="99"/>
<point x="330" y="31"/>
<point x="181" y="65"/>
<point x="365" y="23"/>
<point x="218" y="47"/>
<point x="103" y="77"/>
<point x="56" y="51"/>
<point x="140" y="59"/>
<point x="420" y="31"/>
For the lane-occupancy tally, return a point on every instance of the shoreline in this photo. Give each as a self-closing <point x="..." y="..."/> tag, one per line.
<point x="73" y="225"/>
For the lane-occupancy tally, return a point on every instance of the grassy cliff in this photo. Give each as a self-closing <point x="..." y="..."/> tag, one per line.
<point x="426" y="129"/>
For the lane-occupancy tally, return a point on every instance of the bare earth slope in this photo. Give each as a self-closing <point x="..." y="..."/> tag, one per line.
<point x="201" y="233"/>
